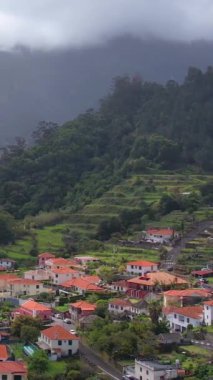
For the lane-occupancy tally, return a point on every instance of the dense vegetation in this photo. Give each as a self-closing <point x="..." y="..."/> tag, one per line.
<point x="138" y="127"/>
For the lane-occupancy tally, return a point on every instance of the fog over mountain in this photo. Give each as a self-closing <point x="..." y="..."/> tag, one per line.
<point x="57" y="85"/>
<point x="57" y="58"/>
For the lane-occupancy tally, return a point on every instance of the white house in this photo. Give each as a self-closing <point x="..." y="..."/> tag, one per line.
<point x="7" y="263"/>
<point x="141" y="267"/>
<point x="208" y="312"/>
<point x="160" y="235"/>
<point x="12" y="370"/>
<point x="37" y="275"/>
<point x="61" y="275"/>
<point x="23" y="286"/>
<point x="58" y="341"/>
<point x="180" y="318"/>
<point x="119" y="306"/>
<point x="151" y="370"/>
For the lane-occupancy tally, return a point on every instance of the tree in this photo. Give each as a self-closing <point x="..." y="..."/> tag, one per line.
<point x="39" y="362"/>
<point x="155" y="310"/>
<point x="24" y="321"/>
<point x="29" y="334"/>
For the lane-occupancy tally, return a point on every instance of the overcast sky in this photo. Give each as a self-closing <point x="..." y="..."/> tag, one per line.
<point x="49" y="24"/>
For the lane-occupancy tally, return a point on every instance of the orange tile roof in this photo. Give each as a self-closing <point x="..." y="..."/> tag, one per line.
<point x="61" y="261"/>
<point x="84" y="306"/>
<point x="64" y="271"/>
<point x="11" y="367"/>
<point x="160" y="231"/>
<point x="188" y="293"/>
<point x="120" y="302"/>
<point x="8" y="276"/>
<point x="154" y="278"/>
<point x="195" y="312"/>
<point x="33" y="305"/>
<point x="208" y="303"/>
<point x="142" y="263"/>
<point x="24" y="281"/>
<point x="3" y="352"/>
<point x="93" y="279"/>
<point x="58" y="332"/>
<point x="83" y="284"/>
<point x="46" y="254"/>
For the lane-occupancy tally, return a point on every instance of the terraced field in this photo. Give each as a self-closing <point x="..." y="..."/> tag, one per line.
<point x="129" y="194"/>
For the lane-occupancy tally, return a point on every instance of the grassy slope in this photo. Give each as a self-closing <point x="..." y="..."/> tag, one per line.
<point x="129" y="194"/>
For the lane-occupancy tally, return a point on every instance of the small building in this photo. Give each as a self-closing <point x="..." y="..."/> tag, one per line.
<point x="85" y="260"/>
<point x="156" y="280"/>
<point x="60" y="262"/>
<point x="180" y="318"/>
<point x="141" y="267"/>
<point x="185" y="297"/>
<point x="4" y="353"/>
<point x="4" y="279"/>
<point x="56" y="340"/>
<point x="61" y="275"/>
<point x="208" y="312"/>
<point x="119" y="306"/>
<point x="38" y="275"/>
<point x="34" y="309"/>
<point x="7" y="264"/>
<point x="152" y="370"/>
<point x="119" y="286"/>
<point x="22" y="286"/>
<point x="140" y="307"/>
<point x="13" y="370"/>
<point x="81" y="309"/>
<point x="169" y="338"/>
<point x="203" y="273"/>
<point x="43" y="257"/>
<point x="160" y="235"/>
<point x="83" y="285"/>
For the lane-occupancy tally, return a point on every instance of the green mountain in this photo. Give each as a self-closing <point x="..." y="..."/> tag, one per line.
<point x="139" y="128"/>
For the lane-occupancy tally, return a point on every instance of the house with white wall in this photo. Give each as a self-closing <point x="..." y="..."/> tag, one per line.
<point x="119" y="306"/>
<point x="23" y="286"/>
<point x="12" y="370"/>
<point x="141" y="267"/>
<point x="61" y="275"/>
<point x="7" y="264"/>
<point x="208" y="312"/>
<point x="180" y="318"/>
<point x="152" y="370"/>
<point x="56" y="340"/>
<point x="160" y="235"/>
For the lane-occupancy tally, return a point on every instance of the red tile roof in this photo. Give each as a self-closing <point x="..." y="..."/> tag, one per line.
<point x="195" y="312"/>
<point x="84" y="306"/>
<point x="154" y="278"/>
<point x="46" y="255"/>
<point x="160" y="231"/>
<point x="58" y="332"/>
<point x="62" y="262"/>
<point x="83" y="284"/>
<point x="3" y="352"/>
<point x="205" y="272"/>
<point x="189" y="293"/>
<point x="208" y="303"/>
<point x="24" y="281"/>
<point x="8" y="276"/>
<point x="120" y="302"/>
<point x="33" y="305"/>
<point x="142" y="263"/>
<point x="11" y="367"/>
<point x="64" y="271"/>
<point x="93" y="279"/>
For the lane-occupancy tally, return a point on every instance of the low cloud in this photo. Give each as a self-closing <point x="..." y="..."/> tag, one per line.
<point x="50" y="24"/>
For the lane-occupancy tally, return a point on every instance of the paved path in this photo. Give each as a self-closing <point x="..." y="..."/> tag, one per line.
<point x="176" y="251"/>
<point x="94" y="359"/>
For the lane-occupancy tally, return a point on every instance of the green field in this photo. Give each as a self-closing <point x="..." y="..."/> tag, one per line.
<point x="129" y="194"/>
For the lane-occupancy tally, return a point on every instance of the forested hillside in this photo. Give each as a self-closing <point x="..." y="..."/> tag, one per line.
<point x="139" y="128"/>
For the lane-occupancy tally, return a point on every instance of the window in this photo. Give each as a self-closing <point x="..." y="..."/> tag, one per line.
<point x="4" y="377"/>
<point x="141" y="369"/>
<point x="188" y="320"/>
<point x="37" y="286"/>
<point x="70" y="343"/>
<point x="59" y="342"/>
<point x="207" y="307"/>
<point x="56" y="275"/>
<point x="132" y="266"/>
<point x="175" y="315"/>
<point x="17" y="377"/>
<point x="147" y="372"/>
<point x="140" y="267"/>
<point x="141" y="378"/>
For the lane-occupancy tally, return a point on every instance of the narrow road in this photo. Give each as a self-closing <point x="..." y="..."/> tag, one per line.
<point x="92" y="358"/>
<point x="176" y="251"/>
